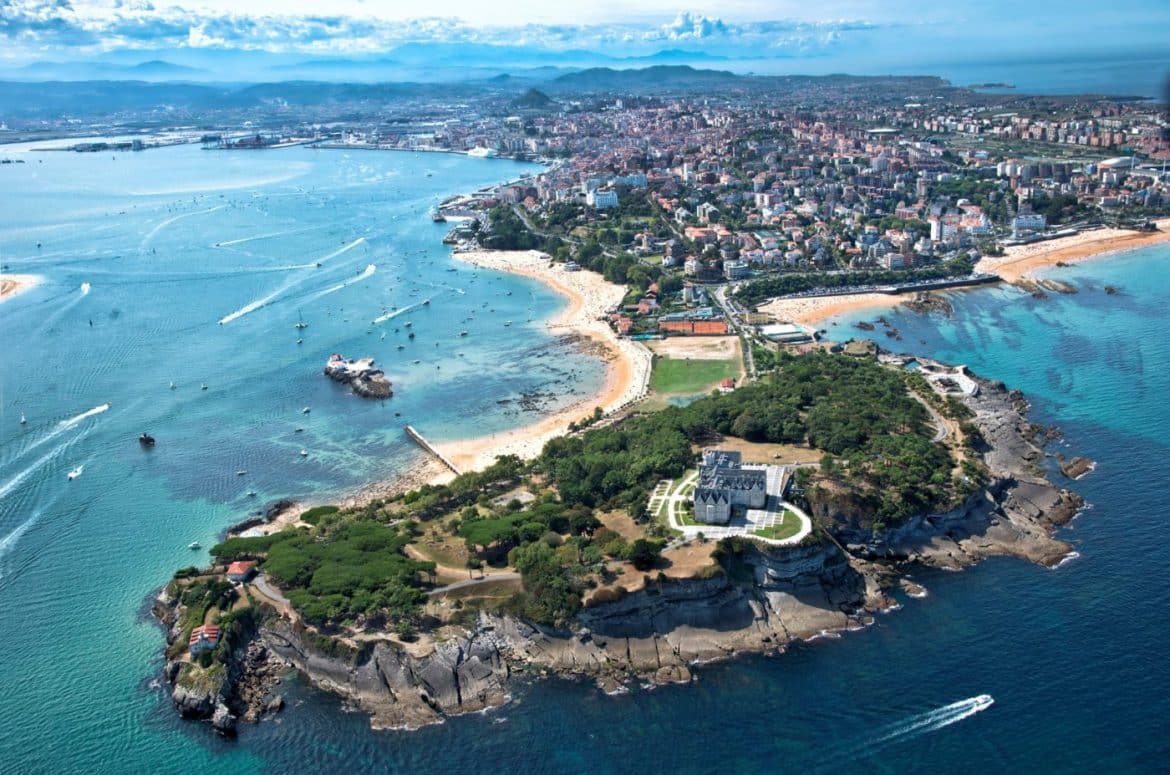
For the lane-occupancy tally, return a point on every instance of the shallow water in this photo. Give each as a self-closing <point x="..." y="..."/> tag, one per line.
<point x="1072" y="657"/>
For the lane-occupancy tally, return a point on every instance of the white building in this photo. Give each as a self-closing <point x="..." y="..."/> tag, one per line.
<point x="602" y="198"/>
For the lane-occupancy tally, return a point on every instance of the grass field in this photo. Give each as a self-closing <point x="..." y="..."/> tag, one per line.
<point x="788" y="527"/>
<point x="672" y="375"/>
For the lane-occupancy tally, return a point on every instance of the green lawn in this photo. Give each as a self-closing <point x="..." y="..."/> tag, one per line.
<point x="672" y="375"/>
<point x="788" y="527"/>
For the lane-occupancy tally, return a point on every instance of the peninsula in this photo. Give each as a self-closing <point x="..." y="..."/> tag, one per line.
<point x="594" y="559"/>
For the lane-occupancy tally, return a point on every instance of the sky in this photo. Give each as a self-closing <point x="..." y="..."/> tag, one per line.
<point x="828" y="35"/>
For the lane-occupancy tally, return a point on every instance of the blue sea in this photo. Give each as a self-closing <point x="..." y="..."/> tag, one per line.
<point x="170" y="242"/>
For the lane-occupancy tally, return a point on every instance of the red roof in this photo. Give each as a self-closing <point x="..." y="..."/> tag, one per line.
<point x="207" y="631"/>
<point x="240" y="567"/>
<point x="727" y="383"/>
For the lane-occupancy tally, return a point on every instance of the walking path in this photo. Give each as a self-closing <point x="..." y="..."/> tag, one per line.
<point x="510" y="576"/>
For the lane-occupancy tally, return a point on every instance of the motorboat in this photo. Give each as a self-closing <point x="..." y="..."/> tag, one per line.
<point x="146" y="440"/>
<point x="76" y="472"/>
<point x="241" y="472"/>
<point x="306" y="410"/>
<point x="194" y="545"/>
<point x="304" y="453"/>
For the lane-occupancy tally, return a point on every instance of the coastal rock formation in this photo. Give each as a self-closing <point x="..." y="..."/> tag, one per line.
<point x="224" y="692"/>
<point x="360" y="375"/>
<point x="756" y="599"/>
<point x="464" y="674"/>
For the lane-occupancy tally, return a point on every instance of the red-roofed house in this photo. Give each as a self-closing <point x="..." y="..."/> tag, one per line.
<point x="241" y="570"/>
<point x="203" y="638"/>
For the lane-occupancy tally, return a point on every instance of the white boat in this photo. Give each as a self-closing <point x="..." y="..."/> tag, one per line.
<point x="173" y="385"/>
<point x="306" y="410"/>
<point x="241" y="472"/>
<point x="304" y="453"/>
<point x="203" y="386"/>
<point x="22" y="420"/>
<point x="194" y="545"/>
<point x="300" y="341"/>
<point x="251" y="493"/>
<point x="76" y="472"/>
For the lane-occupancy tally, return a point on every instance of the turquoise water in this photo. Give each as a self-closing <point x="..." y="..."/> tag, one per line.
<point x="168" y="243"/>
<point x="1073" y="657"/>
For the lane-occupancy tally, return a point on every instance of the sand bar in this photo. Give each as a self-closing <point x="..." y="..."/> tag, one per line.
<point x="15" y="284"/>
<point x="590" y="298"/>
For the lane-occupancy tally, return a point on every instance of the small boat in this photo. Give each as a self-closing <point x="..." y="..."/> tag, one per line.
<point x="306" y="410"/>
<point x="251" y="493"/>
<point x="146" y="440"/>
<point x="76" y="472"/>
<point x="304" y="453"/>
<point x="300" y="323"/>
<point x="401" y="347"/>
<point x="241" y="472"/>
<point x="173" y="385"/>
<point x="416" y="362"/>
<point x="462" y="333"/>
<point x="194" y="545"/>
<point x="299" y="430"/>
<point x="203" y="386"/>
<point x="507" y="323"/>
<point x="426" y="302"/>
<point x="300" y="341"/>
<point x="412" y="335"/>
<point x="22" y="420"/>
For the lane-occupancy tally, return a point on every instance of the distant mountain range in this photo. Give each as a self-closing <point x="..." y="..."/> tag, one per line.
<point x="430" y="62"/>
<point x="647" y="79"/>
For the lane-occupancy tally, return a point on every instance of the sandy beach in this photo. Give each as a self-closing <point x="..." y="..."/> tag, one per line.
<point x="15" y="284"/>
<point x="590" y="298"/>
<point x="1017" y="263"/>
<point x="812" y="311"/>
<point x="1020" y="261"/>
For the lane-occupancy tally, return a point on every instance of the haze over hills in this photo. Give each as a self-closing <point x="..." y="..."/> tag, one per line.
<point x="543" y="89"/>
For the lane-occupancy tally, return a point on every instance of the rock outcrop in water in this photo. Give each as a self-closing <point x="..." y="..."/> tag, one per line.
<point x="360" y="375"/>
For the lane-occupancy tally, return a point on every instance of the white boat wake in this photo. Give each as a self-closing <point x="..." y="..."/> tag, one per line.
<point x="397" y="312"/>
<point x="252" y="306"/>
<point x="163" y="224"/>
<point x="15" y="481"/>
<point x="366" y="273"/>
<point x="933" y="720"/>
<point x="73" y="421"/>
<point x="270" y="235"/>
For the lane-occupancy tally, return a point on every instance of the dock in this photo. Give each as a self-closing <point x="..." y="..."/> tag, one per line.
<point x="426" y="445"/>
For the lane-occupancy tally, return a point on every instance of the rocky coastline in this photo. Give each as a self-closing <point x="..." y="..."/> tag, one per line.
<point x="757" y="600"/>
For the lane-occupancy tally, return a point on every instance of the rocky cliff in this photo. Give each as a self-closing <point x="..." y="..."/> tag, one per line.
<point x="759" y="599"/>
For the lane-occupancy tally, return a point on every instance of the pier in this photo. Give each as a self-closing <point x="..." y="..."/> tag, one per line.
<point x="426" y="445"/>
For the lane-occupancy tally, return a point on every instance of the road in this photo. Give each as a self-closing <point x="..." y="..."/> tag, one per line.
<point x="509" y="576"/>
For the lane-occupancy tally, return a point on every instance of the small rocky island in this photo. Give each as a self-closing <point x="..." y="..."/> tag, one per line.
<point x="361" y="375"/>
<point x="591" y="562"/>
